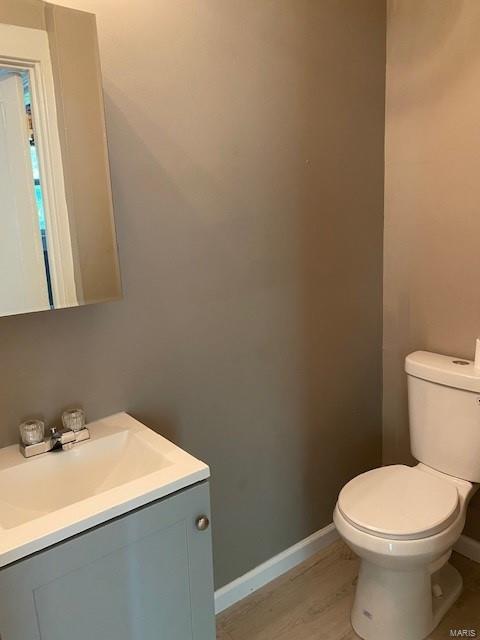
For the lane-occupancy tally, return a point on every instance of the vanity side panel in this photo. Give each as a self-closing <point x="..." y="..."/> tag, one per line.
<point x="76" y="67"/>
<point x="147" y="574"/>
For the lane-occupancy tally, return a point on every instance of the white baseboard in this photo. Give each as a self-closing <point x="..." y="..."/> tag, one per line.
<point x="273" y="568"/>
<point x="468" y="547"/>
<point x="243" y="586"/>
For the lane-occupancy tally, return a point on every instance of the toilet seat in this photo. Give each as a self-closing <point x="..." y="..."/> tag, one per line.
<point x="399" y="502"/>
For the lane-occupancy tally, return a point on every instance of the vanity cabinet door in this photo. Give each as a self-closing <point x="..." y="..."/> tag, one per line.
<point x="143" y="576"/>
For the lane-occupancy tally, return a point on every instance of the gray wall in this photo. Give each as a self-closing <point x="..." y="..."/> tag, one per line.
<point x="246" y="144"/>
<point x="24" y="13"/>
<point x="432" y="195"/>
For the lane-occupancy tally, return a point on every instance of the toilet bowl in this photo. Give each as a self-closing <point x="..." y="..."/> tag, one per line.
<point x="403" y="527"/>
<point x="403" y="521"/>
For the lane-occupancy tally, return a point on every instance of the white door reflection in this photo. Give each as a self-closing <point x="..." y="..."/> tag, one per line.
<point x="24" y="284"/>
<point x="36" y="262"/>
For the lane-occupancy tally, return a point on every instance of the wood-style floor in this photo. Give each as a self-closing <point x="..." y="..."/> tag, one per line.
<point x="313" y="601"/>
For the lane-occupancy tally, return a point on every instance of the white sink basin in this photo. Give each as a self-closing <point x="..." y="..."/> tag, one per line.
<point x="48" y="498"/>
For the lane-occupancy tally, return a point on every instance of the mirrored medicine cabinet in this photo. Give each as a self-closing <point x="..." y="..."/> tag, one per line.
<point x="57" y="243"/>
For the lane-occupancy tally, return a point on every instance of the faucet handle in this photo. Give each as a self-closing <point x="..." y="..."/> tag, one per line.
<point x="74" y="419"/>
<point x="32" y="432"/>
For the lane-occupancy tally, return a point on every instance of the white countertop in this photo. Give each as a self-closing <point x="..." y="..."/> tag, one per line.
<point x="53" y="496"/>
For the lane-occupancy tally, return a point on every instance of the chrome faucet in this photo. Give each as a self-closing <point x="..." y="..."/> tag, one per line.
<point x="59" y="439"/>
<point x="62" y="438"/>
<point x="33" y="442"/>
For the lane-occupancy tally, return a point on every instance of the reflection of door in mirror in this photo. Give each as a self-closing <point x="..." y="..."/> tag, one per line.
<point x="24" y="283"/>
<point x="36" y="260"/>
<point x="57" y="244"/>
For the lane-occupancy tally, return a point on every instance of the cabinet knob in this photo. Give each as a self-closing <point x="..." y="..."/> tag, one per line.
<point x="202" y="523"/>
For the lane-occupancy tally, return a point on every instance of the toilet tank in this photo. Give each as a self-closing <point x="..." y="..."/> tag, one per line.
<point x="444" y="413"/>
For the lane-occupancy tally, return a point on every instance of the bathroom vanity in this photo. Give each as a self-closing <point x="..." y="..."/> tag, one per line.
<point x="112" y="544"/>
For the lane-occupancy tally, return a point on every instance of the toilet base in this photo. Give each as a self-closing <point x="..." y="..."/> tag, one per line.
<point x="399" y="605"/>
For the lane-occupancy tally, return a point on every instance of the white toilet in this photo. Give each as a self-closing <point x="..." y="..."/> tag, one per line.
<point x="403" y="521"/>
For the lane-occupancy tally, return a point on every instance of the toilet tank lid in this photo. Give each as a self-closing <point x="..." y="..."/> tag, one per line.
<point x="448" y="370"/>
